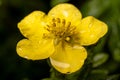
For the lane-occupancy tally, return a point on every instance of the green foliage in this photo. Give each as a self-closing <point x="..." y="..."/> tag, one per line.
<point x="99" y="59"/>
<point x="114" y="77"/>
<point x="98" y="74"/>
<point x="116" y="55"/>
<point x="95" y="7"/>
<point x="55" y="2"/>
<point x="103" y="60"/>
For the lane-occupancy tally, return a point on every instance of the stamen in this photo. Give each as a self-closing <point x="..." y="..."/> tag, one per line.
<point x="47" y="28"/>
<point x="58" y="20"/>
<point x="53" y="20"/>
<point x="44" y="36"/>
<point x="63" y="22"/>
<point x="62" y="30"/>
<point x="69" y="23"/>
<point x="54" y="24"/>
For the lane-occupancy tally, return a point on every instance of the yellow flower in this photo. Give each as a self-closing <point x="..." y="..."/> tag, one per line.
<point x="59" y="35"/>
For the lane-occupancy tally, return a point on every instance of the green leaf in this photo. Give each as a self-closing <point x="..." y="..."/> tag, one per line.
<point x="95" y="7"/>
<point x="99" y="47"/>
<point x="99" y="59"/>
<point x="114" y="77"/>
<point x="55" y="2"/>
<point x="116" y="54"/>
<point x="46" y="79"/>
<point x="98" y="74"/>
<point x="0" y="2"/>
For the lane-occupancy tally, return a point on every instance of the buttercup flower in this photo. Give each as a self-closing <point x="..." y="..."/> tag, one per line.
<point x="59" y="35"/>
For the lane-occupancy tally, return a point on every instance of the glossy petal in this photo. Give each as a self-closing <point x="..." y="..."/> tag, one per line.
<point x="66" y="11"/>
<point x="91" y="30"/>
<point x="68" y="59"/>
<point x="32" y="25"/>
<point x="35" y="50"/>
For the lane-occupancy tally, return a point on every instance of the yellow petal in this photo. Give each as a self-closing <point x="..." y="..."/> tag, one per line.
<point x="68" y="59"/>
<point x="91" y="30"/>
<point x="35" y="50"/>
<point x="66" y="11"/>
<point x="33" y="25"/>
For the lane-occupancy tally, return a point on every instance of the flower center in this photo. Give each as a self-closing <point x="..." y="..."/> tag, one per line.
<point x="62" y="30"/>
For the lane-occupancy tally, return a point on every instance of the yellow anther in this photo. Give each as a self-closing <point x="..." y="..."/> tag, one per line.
<point x="58" y="20"/>
<point x="63" y="22"/>
<point x="61" y="29"/>
<point x="54" y="24"/>
<point x="53" y="20"/>
<point x="68" y="25"/>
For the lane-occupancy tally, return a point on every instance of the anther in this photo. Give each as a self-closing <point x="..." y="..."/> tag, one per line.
<point x="69" y="24"/>
<point x="54" y="24"/>
<point x="44" y="35"/>
<point x="47" y="28"/>
<point x="58" y="20"/>
<point x="63" y="22"/>
<point x="53" y="20"/>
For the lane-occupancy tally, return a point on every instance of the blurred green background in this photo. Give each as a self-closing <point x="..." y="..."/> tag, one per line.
<point x="104" y="57"/>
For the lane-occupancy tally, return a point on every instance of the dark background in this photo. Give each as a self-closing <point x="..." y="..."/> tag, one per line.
<point x="13" y="67"/>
